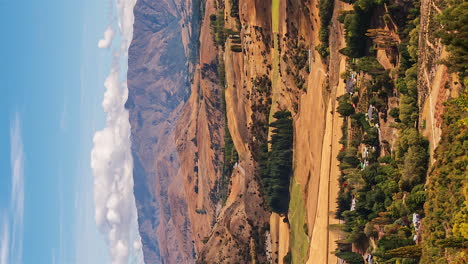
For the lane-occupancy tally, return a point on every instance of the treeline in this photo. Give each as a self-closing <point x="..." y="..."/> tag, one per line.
<point x="220" y="35"/>
<point x="219" y="31"/>
<point x="446" y="226"/>
<point x="325" y="13"/>
<point x="276" y="164"/>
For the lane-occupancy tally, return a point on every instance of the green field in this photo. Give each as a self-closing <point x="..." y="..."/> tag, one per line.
<point x="299" y="242"/>
<point x="275" y="15"/>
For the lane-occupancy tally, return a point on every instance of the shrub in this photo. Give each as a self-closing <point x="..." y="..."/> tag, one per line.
<point x="415" y="201"/>
<point x="323" y="50"/>
<point x="413" y="251"/>
<point x="370" y="65"/>
<point x="350" y="257"/>
<point x="287" y="259"/>
<point x="236" y="48"/>
<point x="395" y="113"/>
<point x="389" y="242"/>
<point x="453" y="242"/>
<point x="345" y="109"/>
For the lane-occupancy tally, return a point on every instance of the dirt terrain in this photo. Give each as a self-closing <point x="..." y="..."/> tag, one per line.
<point x="433" y="77"/>
<point x="318" y="132"/>
<point x="199" y="138"/>
<point x="222" y="232"/>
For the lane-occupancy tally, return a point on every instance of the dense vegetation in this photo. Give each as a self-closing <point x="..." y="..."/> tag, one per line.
<point x="356" y="24"/>
<point x="381" y="187"/>
<point x="445" y="225"/>
<point x="454" y="33"/>
<point x="276" y="164"/>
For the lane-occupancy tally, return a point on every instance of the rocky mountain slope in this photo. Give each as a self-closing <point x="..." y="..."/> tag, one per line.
<point x="158" y="88"/>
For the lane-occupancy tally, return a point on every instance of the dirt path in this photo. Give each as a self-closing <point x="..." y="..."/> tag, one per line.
<point x="322" y="207"/>
<point x="323" y="240"/>
<point x="334" y="172"/>
<point x="319" y="242"/>
<point x="433" y="104"/>
<point x="275" y="81"/>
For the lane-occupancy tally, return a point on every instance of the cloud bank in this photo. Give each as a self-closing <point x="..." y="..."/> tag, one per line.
<point x="111" y="158"/>
<point x="107" y="40"/>
<point x="11" y="240"/>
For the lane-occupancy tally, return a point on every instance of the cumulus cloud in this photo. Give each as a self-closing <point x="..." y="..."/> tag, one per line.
<point x="125" y="9"/>
<point x="112" y="164"/>
<point x="111" y="159"/>
<point x="106" y="41"/>
<point x="17" y="188"/>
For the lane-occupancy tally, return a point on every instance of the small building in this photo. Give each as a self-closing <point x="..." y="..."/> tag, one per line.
<point x="350" y="82"/>
<point x="353" y="204"/>
<point x="370" y="112"/>
<point x="416" y="221"/>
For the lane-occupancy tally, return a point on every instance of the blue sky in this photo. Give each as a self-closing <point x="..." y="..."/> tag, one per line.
<point x="52" y="75"/>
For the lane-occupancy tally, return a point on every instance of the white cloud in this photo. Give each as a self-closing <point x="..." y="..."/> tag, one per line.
<point x="125" y="9"/>
<point x="107" y="40"/>
<point x="111" y="158"/>
<point x="137" y="244"/>
<point x="11" y="222"/>
<point x="4" y="242"/>
<point x="112" y="165"/>
<point x="17" y="189"/>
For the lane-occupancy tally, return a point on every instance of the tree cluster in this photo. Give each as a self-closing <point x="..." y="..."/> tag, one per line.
<point x="276" y="164"/>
